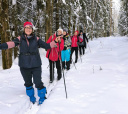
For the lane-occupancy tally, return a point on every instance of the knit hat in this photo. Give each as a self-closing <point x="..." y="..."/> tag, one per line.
<point x="28" y="23"/>
<point x="77" y="32"/>
<point x="81" y="31"/>
<point x="60" y="30"/>
<point x="66" y="30"/>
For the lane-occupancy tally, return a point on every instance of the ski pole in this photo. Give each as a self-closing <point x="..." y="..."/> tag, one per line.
<point x="74" y="64"/>
<point x="65" y="84"/>
<point x="101" y="44"/>
<point x="79" y="53"/>
<point x="52" y="70"/>
<point x="89" y="47"/>
<point x="63" y="74"/>
<point x="47" y="66"/>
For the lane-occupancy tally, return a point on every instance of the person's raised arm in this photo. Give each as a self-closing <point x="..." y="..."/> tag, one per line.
<point x="10" y="44"/>
<point x="46" y="45"/>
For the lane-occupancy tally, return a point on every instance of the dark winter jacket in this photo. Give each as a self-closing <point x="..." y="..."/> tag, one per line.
<point x="29" y="56"/>
<point x="85" y="39"/>
<point x="55" y="53"/>
<point x="67" y="42"/>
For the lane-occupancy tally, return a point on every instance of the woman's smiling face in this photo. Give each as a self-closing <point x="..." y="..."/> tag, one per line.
<point x="28" y="30"/>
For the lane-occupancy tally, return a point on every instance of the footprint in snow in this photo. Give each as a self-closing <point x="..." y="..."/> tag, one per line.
<point x="5" y="104"/>
<point x="92" y="100"/>
<point x="94" y="95"/>
<point x="105" y="88"/>
<point x="21" y="95"/>
<point x="103" y="112"/>
<point x="112" y="85"/>
<point x="100" y="91"/>
<point x="122" y="85"/>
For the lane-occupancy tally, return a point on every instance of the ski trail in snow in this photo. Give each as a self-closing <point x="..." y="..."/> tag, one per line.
<point x="33" y="109"/>
<point x="5" y="104"/>
<point x="90" y="90"/>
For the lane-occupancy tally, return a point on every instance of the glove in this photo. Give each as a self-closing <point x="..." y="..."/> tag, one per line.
<point x="53" y="44"/>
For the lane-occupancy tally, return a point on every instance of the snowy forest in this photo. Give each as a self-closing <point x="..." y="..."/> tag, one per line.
<point x="64" y="56"/>
<point x="123" y="20"/>
<point x="92" y="16"/>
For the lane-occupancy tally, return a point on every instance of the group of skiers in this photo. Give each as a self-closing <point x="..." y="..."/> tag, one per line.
<point x="60" y="47"/>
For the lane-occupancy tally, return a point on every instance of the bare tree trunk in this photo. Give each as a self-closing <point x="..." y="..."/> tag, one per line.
<point x="85" y="27"/>
<point x="92" y="17"/>
<point x="47" y="20"/>
<point x="51" y="17"/>
<point x="14" y="20"/>
<point x="5" y="35"/>
<point x="61" y="15"/>
<point x="69" y="21"/>
<point x="57" y="13"/>
<point x="105" y="20"/>
<point x="110" y="17"/>
<point x="74" y="23"/>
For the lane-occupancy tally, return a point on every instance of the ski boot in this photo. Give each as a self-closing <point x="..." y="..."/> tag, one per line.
<point x="41" y="94"/>
<point x="30" y="93"/>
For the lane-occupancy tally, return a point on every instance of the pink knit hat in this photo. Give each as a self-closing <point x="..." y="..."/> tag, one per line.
<point x="77" y="32"/>
<point x="28" y="23"/>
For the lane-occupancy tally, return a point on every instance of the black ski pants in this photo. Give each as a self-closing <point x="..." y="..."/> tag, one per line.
<point x="76" y="53"/>
<point x="82" y="50"/>
<point x="58" y="66"/>
<point x="35" y="73"/>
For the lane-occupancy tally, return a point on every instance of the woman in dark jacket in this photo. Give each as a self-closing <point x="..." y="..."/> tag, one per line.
<point x="29" y="60"/>
<point x="82" y="45"/>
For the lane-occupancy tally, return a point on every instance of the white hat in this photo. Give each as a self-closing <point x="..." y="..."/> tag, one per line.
<point x="60" y="30"/>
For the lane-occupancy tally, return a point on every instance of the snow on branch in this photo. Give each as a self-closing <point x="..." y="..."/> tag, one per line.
<point x="89" y="19"/>
<point x="13" y="2"/>
<point x="24" y="5"/>
<point x="64" y="1"/>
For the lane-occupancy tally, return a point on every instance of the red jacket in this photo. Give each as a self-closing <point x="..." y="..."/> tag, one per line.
<point x="53" y="53"/>
<point x="74" y="40"/>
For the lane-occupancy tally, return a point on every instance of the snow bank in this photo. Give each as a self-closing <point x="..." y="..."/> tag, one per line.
<point x="98" y="86"/>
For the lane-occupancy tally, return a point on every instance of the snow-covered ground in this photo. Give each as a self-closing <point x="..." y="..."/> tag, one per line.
<point x="98" y="86"/>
